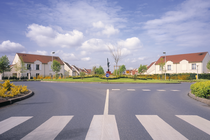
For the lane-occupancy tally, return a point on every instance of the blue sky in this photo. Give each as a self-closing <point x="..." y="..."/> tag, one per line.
<point x="80" y="31"/>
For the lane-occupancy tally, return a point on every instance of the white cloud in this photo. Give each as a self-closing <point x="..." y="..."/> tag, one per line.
<point x="93" y="45"/>
<point x="85" y="59"/>
<point x="125" y="52"/>
<point x="68" y="57"/>
<point x="130" y="43"/>
<point x="47" y="37"/>
<point x="188" y="25"/>
<point x="39" y="52"/>
<point x="11" y="47"/>
<point x="106" y="29"/>
<point x="141" y="58"/>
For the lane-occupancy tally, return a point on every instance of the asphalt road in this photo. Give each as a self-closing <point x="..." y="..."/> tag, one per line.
<point x="106" y="111"/>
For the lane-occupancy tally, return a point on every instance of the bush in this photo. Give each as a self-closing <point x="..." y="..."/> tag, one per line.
<point x="201" y="89"/>
<point x="8" y="89"/>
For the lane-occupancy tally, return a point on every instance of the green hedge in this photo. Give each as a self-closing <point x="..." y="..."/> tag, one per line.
<point x="201" y="89"/>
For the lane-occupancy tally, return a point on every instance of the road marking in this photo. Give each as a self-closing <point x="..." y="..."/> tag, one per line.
<point x="175" y="90"/>
<point x="103" y="127"/>
<point x="161" y="90"/>
<point x="159" y="129"/>
<point x="115" y="89"/>
<point x="131" y="90"/>
<point x="197" y="121"/>
<point x="12" y="122"/>
<point x="146" y="90"/>
<point x="106" y="106"/>
<point x="49" y="129"/>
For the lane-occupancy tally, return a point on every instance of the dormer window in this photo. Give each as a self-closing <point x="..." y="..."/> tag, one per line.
<point x="193" y="66"/>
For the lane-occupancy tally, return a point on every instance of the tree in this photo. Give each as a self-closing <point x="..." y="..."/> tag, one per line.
<point x="162" y="64"/>
<point x="122" y="69"/>
<point x="99" y="70"/>
<point x="93" y="71"/>
<point x="208" y="65"/>
<point x="82" y="74"/>
<point x="4" y="64"/>
<point x="20" y="67"/>
<point x="116" y="53"/>
<point x="56" y="67"/>
<point x="142" y="69"/>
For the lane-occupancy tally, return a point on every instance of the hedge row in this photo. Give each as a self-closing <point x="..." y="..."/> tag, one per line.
<point x="201" y="89"/>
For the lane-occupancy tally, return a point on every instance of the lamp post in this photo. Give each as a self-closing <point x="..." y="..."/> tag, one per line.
<point x="52" y="62"/>
<point x="197" y="72"/>
<point x="165" y="64"/>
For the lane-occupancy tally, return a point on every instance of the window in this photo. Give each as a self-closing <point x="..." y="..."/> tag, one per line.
<point x="193" y="66"/>
<point x="160" y="68"/>
<point x="168" y="67"/>
<point x="37" y="67"/>
<point x="28" y="66"/>
<point x="37" y="74"/>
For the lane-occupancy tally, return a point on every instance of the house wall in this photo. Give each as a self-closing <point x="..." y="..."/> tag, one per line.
<point x="205" y="61"/>
<point x="151" y="70"/>
<point x="183" y="67"/>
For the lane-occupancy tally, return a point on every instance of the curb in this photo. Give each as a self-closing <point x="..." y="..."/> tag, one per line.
<point x="11" y="101"/>
<point x="203" y="100"/>
<point x="103" y="82"/>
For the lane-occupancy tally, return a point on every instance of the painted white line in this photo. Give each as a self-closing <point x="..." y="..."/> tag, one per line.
<point x="103" y="127"/>
<point x="175" y="90"/>
<point x="146" y="90"/>
<point x="49" y="129"/>
<point x="115" y="89"/>
<point x="131" y="90"/>
<point x="197" y="121"/>
<point x="106" y="106"/>
<point x="161" y="90"/>
<point x="159" y="129"/>
<point x="11" y="122"/>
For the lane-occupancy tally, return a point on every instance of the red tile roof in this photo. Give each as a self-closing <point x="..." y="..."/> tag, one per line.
<point x="191" y="57"/>
<point x="31" y="58"/>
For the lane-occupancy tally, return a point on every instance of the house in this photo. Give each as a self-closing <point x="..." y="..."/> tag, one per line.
<point x="35" y="65"/>
<point x="72" y="70"/>
<point x="181" y="63"/>
<point x="151" y="68"/>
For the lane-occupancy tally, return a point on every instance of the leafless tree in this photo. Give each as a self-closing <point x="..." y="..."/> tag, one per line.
<point x="116" y="53"/>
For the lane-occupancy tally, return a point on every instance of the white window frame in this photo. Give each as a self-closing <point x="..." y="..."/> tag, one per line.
<point x="36" y="66"/>
<point x="168" y="67"/>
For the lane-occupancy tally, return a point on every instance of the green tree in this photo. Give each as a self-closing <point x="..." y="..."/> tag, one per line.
<point x="122" y="69"/>
<point x="20" y="67"/>
<point x="208" y="65"/>
<point x="99" y="70"/>
<point x="142" y="69"/>
<point x="56" y="67"/>
<point x="82" y="75"/>
<point x="4" y="64"/>
<point x="93" y="71"/>
<point x="162" y="64"/>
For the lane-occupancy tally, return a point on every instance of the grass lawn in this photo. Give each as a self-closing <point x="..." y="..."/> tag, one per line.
<point x="121" y="80"/>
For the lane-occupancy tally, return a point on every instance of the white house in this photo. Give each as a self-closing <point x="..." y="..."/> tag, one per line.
<point x="181" y="63"/>
<point x="35" y="64"/>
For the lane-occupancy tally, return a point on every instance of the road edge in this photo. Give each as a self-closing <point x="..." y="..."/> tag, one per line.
<point x="203" y="100"/>
<point x="11" y="101"/>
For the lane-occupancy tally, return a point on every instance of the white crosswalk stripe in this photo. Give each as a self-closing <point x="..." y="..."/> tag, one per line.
<point x="103" y="127"/>
<point x="49" y="129"/>
<point x="159" y="129"/>
<point x="146" y="90"/>
<point x="11" y="122"/>
<point x="161" y="90"/>
<point x="197" y="121"/>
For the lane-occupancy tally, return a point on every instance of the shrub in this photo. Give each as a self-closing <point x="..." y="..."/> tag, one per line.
<point x="8" y="89"/>
<point x="201" y="89"/>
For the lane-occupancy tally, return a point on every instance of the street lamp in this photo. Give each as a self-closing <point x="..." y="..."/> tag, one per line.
<point x="197" y="72"/>
<point x="165" y="64"/>
<point x="52" y="61"/>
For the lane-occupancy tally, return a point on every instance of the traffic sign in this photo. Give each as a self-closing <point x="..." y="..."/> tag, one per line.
<point x="107" y="75"/>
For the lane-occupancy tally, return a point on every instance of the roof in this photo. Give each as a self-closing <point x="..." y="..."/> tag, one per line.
<point x="31" y="58"/>
<point x="150" y="65"/>
<point x="191" y="57"/>
<point x="68" y="65"/>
